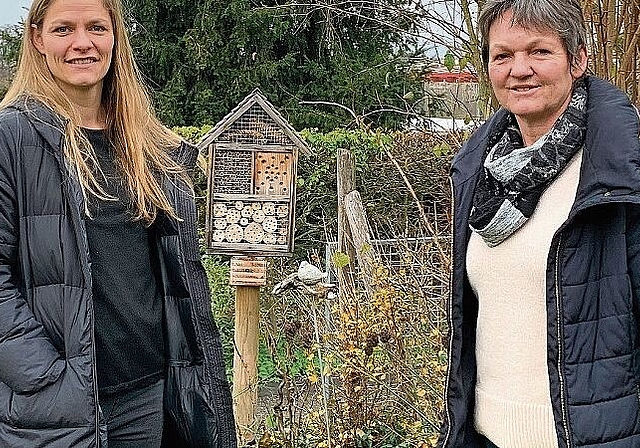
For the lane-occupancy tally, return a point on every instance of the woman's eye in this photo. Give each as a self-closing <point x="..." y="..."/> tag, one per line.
<point x="500" y="56"/>
<point x="98" y="28"/>
<point x="541" y="51"/>
<point x="62" y="29"/>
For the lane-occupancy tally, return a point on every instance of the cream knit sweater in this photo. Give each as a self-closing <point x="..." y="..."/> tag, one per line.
<point x="513" y="404"/>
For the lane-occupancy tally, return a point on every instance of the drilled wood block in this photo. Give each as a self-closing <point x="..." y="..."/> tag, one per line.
<point x="273" y="175"/>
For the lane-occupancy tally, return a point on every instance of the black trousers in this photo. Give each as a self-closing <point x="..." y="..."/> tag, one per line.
<point x="134" y="419"/>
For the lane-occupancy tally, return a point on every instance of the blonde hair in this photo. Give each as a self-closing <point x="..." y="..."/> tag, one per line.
<point x="141" y="142"/>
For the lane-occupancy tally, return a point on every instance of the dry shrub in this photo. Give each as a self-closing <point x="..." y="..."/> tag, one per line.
<point x="367" y="370"/>
<point x="424" y="158"/>
<point x="373" y="366"/>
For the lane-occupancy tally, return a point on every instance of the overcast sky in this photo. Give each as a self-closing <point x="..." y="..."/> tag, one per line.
<point x="11" y="11"/>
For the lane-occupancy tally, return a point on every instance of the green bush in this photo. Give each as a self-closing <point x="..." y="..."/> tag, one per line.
<point x="222" y="303"/>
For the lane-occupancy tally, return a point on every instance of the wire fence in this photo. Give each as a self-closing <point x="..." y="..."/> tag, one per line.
<point x="418" y="261"/>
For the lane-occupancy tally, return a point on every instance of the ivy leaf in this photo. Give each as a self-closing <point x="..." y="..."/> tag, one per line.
<point x="463" y="63"/>
<point x="449" y="61"/>
<point x="441" y="149"/>
<point x="340" y="259"/>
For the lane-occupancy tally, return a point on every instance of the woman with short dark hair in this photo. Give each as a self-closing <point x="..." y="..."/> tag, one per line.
<point x="544" y="347"/>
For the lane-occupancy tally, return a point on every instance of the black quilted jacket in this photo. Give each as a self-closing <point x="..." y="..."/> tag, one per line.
<point x="593" y="290"/>
<point x="48" y="395"/>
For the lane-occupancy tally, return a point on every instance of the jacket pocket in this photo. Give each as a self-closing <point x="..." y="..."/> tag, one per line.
<point x="66" y="403"/>
<point x="191" y="421"/>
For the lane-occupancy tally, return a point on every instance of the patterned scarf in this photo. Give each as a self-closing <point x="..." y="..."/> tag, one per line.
<point x="515" y="176"/>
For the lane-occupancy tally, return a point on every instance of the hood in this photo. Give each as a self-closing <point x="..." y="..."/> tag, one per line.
<point x="47" y="123"/>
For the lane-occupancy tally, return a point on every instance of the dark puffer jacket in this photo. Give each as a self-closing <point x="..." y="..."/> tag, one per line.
<point x="48" y="395"/>
<point x="593" y="290"/>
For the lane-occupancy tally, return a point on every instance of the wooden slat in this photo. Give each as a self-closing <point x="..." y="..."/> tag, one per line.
<point x="346" y="184"/>
<point x="250" y="197"/>
<point x="367" y="256"/>
<point x="254" y="147"/>
<point x="248" y="271"/>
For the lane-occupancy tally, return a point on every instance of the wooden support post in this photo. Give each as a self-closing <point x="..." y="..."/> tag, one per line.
<point x="346" y="175"/>
<point x="247" y="274"/>
<point x="367" y="256"/>
<point x="245" y="360"/>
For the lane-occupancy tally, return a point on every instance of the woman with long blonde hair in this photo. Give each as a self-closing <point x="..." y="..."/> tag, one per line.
<point x="106" y="333"/>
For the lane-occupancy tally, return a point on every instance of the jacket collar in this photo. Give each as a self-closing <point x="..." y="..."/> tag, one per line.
<point x="186" y="155"/>
<point x="611" y="160"/>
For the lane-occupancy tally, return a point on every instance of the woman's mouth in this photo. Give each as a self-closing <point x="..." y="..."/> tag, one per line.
<point x="523" y="89"/>
<point x="81" y="61"/>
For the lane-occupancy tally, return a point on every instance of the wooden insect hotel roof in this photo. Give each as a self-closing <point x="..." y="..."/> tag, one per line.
<point x="255" y="120"/>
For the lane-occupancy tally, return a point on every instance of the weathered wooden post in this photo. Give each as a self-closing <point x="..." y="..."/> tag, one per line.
<point x="346" y="180"/>
<point x="359" y="226"/>
<point x="253" y="155"/>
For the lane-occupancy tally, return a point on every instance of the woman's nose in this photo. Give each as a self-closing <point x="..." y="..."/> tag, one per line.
<point x="521" y="67"/>
<point x="82" y="40"/>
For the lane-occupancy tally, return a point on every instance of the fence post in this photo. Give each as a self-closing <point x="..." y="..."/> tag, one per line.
<point x="346" y="184"/>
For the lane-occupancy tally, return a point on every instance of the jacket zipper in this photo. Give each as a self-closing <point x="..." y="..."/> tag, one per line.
<point x="95" y="379"/>
<point x="73" y="193"/>
<point x="560" y="335"/>
<point x="94" y="367"/>
<point x="449" y="321"/>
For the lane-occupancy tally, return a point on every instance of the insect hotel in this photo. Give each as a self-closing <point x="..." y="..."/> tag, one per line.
<point x="253" y="155"/>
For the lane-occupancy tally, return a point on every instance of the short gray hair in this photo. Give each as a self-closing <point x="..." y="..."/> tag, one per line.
<point x="561" y="16"/>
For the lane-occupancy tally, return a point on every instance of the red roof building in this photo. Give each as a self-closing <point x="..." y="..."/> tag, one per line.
<point x="453" y="76"/>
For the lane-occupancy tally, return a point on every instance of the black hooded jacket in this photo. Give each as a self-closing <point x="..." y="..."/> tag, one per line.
<point x="592" y="284"/>
<point x="48" y="390"/>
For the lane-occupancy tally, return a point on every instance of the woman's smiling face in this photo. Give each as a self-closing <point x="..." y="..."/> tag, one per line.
<point x="76" y="39"/>
<point x="530" y="72"/>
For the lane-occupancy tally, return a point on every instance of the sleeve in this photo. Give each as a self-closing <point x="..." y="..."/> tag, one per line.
<point x="28" y="359"/>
